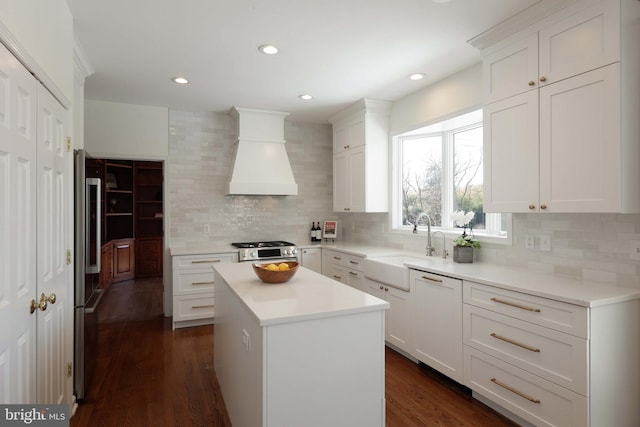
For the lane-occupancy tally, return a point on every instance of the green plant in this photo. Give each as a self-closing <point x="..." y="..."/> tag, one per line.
<point x="466" y="241"/>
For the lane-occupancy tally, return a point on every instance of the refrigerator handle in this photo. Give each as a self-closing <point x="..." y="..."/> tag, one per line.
<point x="93" y="207"/>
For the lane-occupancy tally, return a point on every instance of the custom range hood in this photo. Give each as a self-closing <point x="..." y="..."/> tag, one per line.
<point x="260" y="162"/>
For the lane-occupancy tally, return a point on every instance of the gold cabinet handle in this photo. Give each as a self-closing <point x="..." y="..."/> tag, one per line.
<point x="201" y="306"/>
<point x="381" y="287"/>
<point x="351" y="273"/>
<point x="432" y="279"/>
<point x="513" y="390"/>
<point x="543" y="79"/>
<point x="337" y="258"/>
<point x="513" y="304"/>
<point x="532" y="83"/>
<point x="353" y="262"/>
<point x="204" y="261"/>
<point x="543" y="206"/>
<point x="510" y="341"/>
<point x="203" y="283"/>
<point x="532" y="207"/>
<point x="337" y="277"/>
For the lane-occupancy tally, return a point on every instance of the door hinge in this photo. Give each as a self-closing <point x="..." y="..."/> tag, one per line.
<point x="68" y="143"/>
<point x="69" y="370"/>
<point x="68" y="256"/>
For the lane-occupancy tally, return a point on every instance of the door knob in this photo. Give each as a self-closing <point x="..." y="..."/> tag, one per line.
<point x="42" y="305"/>
<point x="51" y="298"/>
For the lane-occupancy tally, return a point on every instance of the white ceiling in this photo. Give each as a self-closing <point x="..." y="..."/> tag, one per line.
<point x="336" y="50"/>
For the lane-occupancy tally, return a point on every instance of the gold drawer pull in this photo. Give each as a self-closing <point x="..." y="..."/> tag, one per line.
<point x="203" y="283"/>
<point x="204" y="261"/>
<point x="337" y="277"/>
<point x="513" y="304"/>
<point x="510" y="341"/>
<point x="353" y="262"/>
<point x="353" y="274"/>
<point x="201" y="306"/>
<point x="337" y="258"/>
<point x="432" y="279"/>
<point x="513" y="390"/>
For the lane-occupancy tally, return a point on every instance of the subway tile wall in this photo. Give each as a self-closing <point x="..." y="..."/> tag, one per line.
<point x="585" y="246"/>
<point x="589" y="246"/>
<point x="200" y="152"/>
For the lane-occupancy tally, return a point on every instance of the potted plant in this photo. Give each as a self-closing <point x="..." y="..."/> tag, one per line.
<point x="464" y="244"/>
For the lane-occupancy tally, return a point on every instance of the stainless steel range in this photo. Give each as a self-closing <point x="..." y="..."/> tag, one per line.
<point x="267" y="251"/>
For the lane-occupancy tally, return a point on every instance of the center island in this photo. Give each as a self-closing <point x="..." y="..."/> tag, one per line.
<point x="309" y="352"/>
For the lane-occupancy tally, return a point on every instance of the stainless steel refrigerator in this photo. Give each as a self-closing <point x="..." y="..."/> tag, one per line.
<point x="87" y="292"/>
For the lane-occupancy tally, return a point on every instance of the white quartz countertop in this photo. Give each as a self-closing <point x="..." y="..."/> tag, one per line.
<point x="573" y="291"/>
<point x="307" y="295"/>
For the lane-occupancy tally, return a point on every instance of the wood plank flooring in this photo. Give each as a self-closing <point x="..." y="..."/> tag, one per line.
<point x="149" y="375"/>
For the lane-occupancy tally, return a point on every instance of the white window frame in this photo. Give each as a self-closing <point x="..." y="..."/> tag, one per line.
<point x="395" y="216"/>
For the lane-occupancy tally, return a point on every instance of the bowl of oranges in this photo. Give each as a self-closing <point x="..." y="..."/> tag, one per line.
<point x="276" y="272"/>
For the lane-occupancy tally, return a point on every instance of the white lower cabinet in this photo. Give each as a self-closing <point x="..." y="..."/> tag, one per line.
<point x="549" y="362"/>
<point x="345" y="268"/>
<point x="397" y="321"/>
<point x="311" y="258"/>
<point x="437" y="322"/>
<point x="193" y="297"/>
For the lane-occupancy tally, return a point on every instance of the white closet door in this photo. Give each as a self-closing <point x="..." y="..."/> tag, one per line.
<point x="53" y="271"/>
<point x="17" y="231"/>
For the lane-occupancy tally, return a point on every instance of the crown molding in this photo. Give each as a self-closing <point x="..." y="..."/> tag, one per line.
<point x="529" y="16"/>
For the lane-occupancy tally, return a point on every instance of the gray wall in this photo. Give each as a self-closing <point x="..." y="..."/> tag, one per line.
<point x="200" y="151"/>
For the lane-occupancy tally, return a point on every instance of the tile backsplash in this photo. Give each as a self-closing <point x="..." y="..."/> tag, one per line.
<point x="589" y="246"/>
<point x="200" y="153"/>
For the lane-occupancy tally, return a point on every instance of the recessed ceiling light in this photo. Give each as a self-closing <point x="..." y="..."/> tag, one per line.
<point x="268" y="49"/>
<point x="417" y="76"/>
<point x="305" y="96"/>
<point x="179" y="80"/>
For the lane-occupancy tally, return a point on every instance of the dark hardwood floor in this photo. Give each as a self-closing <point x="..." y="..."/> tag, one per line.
<point x="149" y="375"/>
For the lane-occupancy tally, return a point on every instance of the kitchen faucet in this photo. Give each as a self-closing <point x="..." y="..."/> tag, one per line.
<point x="429" y="248"/>
<point x="444" y="248"/>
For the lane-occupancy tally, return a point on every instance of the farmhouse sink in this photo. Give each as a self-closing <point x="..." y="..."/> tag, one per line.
<point x="389" y="270"/>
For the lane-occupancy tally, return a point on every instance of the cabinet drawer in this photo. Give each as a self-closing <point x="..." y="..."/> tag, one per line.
<point x="556" y="315"/>
<point x="194" y="282"/>
<point x="552" y="355"/>
<point x="192" y="307"/>
<point x="536" y="400"/>
<point x="205" y="260"/>
<point x="353" y="262"/>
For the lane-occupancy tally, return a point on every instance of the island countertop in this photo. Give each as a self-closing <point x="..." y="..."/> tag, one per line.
<point x="307" y="295"/>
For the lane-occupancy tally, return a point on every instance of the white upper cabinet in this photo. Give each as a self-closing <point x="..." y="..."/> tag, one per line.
<point x="360" y="157"/>
<point x="555" y="137"/>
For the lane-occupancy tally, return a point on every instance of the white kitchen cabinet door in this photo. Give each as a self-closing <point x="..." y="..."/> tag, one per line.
<point x="311" y="258"/>
<point x="511" y="70"/>
<point x="397" y="321"/>
<point x="437" y="322"/>
<point x="579" y="43"/>
<point x="511" y="154"/>
<point x="349" y="135"/>
<point x="399" y="328"/>
<point x="580" y="149"/>
<point x="341" y="182"/>
<point x="357" y="180"/>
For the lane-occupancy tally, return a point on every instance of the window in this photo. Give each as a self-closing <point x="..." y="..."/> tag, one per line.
<point x="438" y="170"/>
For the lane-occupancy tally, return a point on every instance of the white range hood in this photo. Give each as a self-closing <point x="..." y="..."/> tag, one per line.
<point x="260" y="162"/>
